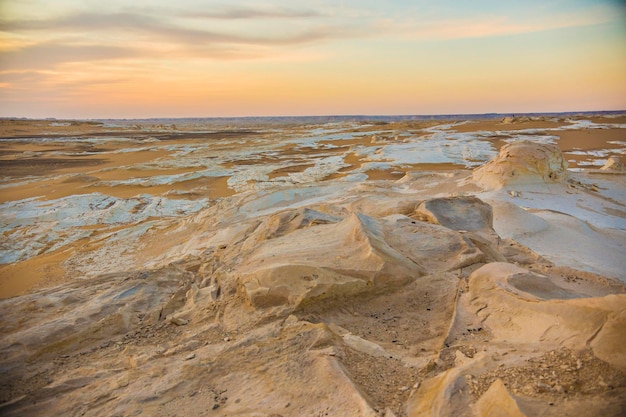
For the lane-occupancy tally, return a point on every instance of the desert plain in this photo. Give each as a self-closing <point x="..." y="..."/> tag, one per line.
<point x="345" y="267"/>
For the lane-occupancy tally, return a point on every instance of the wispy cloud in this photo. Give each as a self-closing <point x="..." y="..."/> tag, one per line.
<point x="488" y="25"/>
<point x="49" y="54"/>
<point x="121" y="49"/>
<point x="90" y="36"/>
<point x="16" y="79"/>
<point x="238" y="12"/>
<point x="82" y="21"/>
<point x="29" y="79"/>
<point x="131" y="23"/>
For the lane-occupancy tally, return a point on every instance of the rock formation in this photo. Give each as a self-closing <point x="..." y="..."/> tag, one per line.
<point x="523" y="162"/>
<point x="375" y="301"/>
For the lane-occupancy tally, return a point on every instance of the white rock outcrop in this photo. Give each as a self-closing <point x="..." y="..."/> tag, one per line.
<point x="523" y="162"/>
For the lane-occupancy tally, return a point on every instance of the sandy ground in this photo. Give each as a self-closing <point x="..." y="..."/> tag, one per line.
<point x="384" y="269"/>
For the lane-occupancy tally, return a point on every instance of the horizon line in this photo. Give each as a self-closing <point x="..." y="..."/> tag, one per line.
<point x="439" y="115"/>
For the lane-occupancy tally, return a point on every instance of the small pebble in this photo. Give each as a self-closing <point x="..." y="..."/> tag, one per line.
<point x="179" y="321"/>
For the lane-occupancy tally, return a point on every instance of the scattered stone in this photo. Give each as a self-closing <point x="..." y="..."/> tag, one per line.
<point x="179" y="321"/>
<point x="389" y="412"/>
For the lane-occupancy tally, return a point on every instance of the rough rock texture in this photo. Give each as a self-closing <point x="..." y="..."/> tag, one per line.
<point x="497" y="402"/>
<point x="458" y="213"/>
<point x="324" y="261"/>
<point x="338" y="300"/>
<point x="519" y="311"/>
<point x="523" y="162"/>
<point x="613" y="164"/>
<point x="468" y="215"/>
<point x="539" y="310"/>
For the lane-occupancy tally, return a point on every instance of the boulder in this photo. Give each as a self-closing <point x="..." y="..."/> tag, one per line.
<point x="470" y="216"/>
<point x="523" y="162"/>
<point x="457" y="213"/>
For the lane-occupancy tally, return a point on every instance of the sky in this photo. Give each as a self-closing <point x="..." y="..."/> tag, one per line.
<point x="193" y="58"/>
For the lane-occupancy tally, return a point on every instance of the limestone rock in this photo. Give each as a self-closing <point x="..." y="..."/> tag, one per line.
<point x="179" y="321"/>
<point x="538" y="310"/>
<point x="613" y="164"/>
<point x="469" y="215"/>
<point x="289" y="221"/>
<point x="458" y="213"/>
<point x="434" y="247"/>
<point x="497" y="402"/>
<point x="341" y="290"/>
<point x="360" y="253"/>
<point x="365" y="346"/>
<point x="85" y="316"/>
<point x="523" y="162"/>
<point x="442" y="396"/>
<point x="324" y="261"/>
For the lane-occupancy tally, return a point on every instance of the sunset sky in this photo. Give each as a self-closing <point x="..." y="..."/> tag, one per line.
<point x="192" y="58"/>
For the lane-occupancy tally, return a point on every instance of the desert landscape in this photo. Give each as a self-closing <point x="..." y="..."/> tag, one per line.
<point x="311" y="267"/>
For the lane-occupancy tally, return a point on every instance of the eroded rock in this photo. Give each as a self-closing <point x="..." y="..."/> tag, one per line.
<point x="523" y="162"/>
<point x="324" y="261"/>
<point x="497" y="402"/>
<point x="458" y="213"/>
<point x="363" y="302"/>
